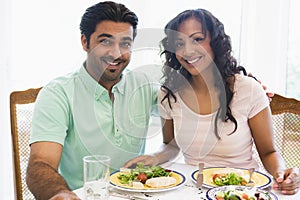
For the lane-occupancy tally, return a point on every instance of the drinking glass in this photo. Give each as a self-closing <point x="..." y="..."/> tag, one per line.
<point x="96" y="177"/>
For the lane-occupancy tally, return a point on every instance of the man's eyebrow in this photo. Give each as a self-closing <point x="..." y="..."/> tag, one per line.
<point x="111" y="36"/>
<point x="105" y="35"/>
<point x="127" y="38"/>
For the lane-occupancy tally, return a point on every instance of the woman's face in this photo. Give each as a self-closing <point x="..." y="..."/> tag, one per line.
<point x="193" y="50"/>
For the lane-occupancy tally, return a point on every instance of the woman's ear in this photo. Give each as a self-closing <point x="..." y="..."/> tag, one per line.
<point x="84" y="42"/>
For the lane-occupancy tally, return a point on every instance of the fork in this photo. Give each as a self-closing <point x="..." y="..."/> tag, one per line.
<point x="250" y="182"/>
<point x="200" y="175"/>
<point x="127" y="196"/>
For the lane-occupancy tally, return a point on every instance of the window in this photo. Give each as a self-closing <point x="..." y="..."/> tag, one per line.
<point x="293" y="61"/>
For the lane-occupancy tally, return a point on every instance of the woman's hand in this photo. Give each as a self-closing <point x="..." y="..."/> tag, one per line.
<point x="288" y="181"/>
<point x="147" y="160"/>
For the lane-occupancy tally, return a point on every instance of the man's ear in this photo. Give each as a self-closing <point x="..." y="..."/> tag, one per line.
<point x="84" y="42"/>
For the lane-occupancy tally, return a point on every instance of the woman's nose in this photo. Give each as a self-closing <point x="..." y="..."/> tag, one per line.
<point x="189" y="49"/>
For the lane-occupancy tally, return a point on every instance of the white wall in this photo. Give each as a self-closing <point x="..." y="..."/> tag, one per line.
<point x="6" y="180"/>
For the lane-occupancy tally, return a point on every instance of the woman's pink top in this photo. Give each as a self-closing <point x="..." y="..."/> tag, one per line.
<point x="194" y="133"/>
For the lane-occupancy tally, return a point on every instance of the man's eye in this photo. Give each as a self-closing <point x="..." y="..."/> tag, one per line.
<point x="105" y="42"/>
<point x="126" y="44"/>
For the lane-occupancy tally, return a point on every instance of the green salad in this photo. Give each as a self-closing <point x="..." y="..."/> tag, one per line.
<point x="242" y="194"/>
<point x="142" y="173"/>
<point x="228" y="179"/>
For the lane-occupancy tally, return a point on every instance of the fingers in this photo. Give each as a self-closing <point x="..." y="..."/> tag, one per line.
<point x="65" y="195"/>
<point x="133" y="162"/>
<point x="270" y="94"/>
<point x="288" y="183"/>
<point x="280" y="177"/>
<point x="147" y="160"/>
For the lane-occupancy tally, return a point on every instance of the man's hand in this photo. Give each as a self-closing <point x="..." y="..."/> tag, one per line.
<point x="65" y="195"/>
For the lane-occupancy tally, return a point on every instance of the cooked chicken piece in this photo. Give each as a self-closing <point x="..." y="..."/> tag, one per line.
<point x="160" y="182"/>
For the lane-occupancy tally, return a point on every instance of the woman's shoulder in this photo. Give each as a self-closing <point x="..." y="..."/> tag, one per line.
<point x="243" y="82"/>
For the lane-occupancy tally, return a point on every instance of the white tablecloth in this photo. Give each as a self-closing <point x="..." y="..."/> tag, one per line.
<point x="187" y="192"/>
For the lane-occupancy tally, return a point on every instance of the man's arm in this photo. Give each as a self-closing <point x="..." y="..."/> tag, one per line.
<point x="42" y="178"/>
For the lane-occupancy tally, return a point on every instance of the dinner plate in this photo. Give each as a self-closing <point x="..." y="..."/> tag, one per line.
<point x="211" y="193"/>
<point x="260" y="179"/>
<point x="115" y="182"/>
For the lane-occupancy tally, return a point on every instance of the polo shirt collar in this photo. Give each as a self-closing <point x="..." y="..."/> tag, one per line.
<point x="95" y="88"/>
<point x="120" y="86"/>
<point x="92" y="86"/>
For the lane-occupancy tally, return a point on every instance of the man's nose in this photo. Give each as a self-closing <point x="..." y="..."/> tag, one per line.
<point x="115" y="51"/>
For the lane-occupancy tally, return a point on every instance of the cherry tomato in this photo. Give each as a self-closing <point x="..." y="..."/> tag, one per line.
<point x="142" y="177"/>
<point x="245" y="196"/>
<point x="216" y="176"/>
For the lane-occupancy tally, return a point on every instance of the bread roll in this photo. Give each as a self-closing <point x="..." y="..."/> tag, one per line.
<point x="160" y="182"/>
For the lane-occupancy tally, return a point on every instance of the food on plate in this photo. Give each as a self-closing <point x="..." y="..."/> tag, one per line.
<point x="142" y="177"/>
<point x="137" y="185"/>
<point x="160" y="182"/>
<point x="142" y="174"/>
<point x="228" y="179"/>
<point x="242" y="194"/>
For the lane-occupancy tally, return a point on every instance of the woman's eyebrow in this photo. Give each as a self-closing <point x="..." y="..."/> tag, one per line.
<point x="195" y="34"/>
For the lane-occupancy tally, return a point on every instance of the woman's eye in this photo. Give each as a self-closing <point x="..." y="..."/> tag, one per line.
<point x="179" y="45"/>
<point x="198" y="39"/>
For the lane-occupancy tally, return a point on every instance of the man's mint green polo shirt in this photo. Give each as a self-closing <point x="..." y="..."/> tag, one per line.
<point x="76" y="112"/>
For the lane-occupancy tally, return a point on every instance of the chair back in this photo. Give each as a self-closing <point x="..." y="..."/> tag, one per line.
<point x="21" y="110"/>
<point x="286" y="124"/>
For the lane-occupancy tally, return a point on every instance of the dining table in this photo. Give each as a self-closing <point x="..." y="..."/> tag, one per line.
<point x="188" y="191"/>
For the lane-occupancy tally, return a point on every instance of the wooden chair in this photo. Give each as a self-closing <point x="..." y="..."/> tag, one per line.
<point x="286" y="124"/>
<point x="21" y="110"/>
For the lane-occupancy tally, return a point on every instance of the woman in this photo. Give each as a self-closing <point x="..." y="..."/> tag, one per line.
<point x="209" y="111"/>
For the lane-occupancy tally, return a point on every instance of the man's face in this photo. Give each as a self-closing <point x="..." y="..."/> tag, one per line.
<point x="109" y="51"/>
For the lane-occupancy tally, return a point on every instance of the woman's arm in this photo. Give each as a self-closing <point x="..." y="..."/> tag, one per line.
<point x="286" y="180"/>
<point x="262" y="133"/>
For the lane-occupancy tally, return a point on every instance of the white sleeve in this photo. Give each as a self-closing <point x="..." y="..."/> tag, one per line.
<point x="259" y="99"/>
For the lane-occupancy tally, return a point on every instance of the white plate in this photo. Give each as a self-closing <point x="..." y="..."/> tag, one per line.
<point x="211" y="193"/>
<point x="260" y="179"/>
<point x="180" y="181"/>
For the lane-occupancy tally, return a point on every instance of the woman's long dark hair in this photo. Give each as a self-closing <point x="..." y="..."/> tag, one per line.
<point x="226" y="65"/>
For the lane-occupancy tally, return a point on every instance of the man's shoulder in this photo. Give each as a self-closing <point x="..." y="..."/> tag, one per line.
<point x="65" y="81"/>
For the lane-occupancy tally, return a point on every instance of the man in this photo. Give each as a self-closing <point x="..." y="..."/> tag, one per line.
<point x="100" y="109"/>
